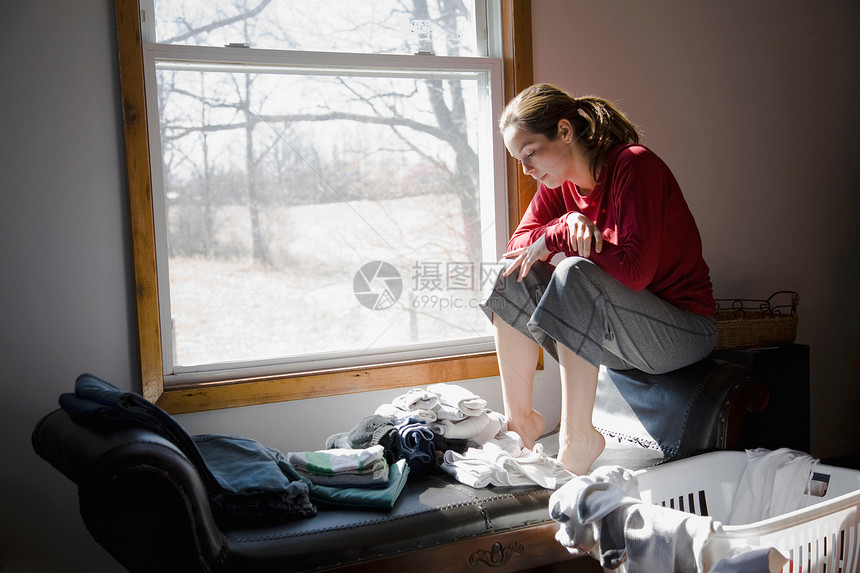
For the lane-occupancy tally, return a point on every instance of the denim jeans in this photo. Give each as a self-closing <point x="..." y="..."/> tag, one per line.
<point x="242" y="477"/>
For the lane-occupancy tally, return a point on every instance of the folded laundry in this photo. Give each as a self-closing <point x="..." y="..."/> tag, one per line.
<point x="250" y="481"/>
<point x="377" y="479"/>
<point x="459" y="397"/>
<point x="356" y="497"/>
<point x="443" y="444"/>
<point x="447" y="412"/>
<point x="498" y="423"/>
<point x="343" y="467"/>
<point x="337" y="460"/>
<point x="416" y="399"/>
<point x="396" y="414"/>
<point x="462" y="429"/>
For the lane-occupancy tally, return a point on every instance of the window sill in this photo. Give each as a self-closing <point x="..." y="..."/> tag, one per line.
<point x="181" y="399"/>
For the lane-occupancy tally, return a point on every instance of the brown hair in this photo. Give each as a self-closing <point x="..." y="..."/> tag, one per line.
<point x="597" y="124"/>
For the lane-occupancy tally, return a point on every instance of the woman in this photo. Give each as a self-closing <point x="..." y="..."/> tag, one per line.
<point x="633" y="290"/>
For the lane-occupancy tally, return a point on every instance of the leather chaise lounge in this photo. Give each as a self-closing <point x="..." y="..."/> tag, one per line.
<point x="143" y="500"/>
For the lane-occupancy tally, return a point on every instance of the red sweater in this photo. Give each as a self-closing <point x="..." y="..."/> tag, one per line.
<point x="650" y="239"/>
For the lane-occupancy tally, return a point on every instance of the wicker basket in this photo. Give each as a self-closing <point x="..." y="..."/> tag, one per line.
<point x="749" y="323"/>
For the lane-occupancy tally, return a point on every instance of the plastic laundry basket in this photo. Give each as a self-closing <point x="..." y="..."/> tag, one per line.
<point x="823" y="537"/>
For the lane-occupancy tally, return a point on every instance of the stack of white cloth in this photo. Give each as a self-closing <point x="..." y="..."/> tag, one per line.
<point x="415" y="404"/>
<point x="449" y="410"/>
<point x="504" y="461"/>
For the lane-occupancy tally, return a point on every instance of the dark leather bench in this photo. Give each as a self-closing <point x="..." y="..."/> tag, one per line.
<point x="144" y="502"/>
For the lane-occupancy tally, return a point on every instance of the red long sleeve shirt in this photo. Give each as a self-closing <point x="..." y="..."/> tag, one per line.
<point x="650" y="239"/>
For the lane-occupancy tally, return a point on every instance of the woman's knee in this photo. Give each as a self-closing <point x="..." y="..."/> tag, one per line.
<point x="580" y="275"/>
<point x="532" y="285"/>
<point x="577" y="266"/>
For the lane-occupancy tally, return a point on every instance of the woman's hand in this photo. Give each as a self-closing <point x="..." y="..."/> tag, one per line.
<point x="525" y="257"/>
<point x="582" y="233"/>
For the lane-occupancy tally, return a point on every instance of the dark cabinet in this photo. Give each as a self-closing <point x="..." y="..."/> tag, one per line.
<point x="785" y="420"/>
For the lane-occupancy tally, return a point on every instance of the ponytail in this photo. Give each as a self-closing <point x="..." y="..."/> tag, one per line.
<point x="597" y="124"/>
<point x="600" y="126"/>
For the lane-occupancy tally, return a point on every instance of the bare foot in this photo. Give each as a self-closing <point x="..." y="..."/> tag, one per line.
<point x="581" y="450"/>
<point x="530" y="429"/>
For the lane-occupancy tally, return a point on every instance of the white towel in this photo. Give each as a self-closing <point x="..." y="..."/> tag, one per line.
<point x="772" y="484"/>
<point x="453" y="395"/>
<point x="398" y="415"/>
<point x="416" y="399"/>
<point x="460" y="430"/>
<point x="448" y="412"/>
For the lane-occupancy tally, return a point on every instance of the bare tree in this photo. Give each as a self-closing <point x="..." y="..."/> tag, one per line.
<point x="447" y="124"/>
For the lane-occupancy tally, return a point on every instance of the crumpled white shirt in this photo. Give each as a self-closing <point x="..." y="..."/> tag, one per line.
<point x="773" y="483"/>
<point x="601" y="514"/>
<point x="503" y="461"/>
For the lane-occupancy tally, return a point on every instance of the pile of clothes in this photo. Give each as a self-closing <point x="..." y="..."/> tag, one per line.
<point x="602" y="514"/>
<point x="443" y="427"/>
<point x="446" y="427"/>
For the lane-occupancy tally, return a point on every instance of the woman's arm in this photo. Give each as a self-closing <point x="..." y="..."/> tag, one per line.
<point x="623" y="234"/>
<point x="528" y="244"/>
<point x="545" y="211"/>
<point x="639" y="200"/>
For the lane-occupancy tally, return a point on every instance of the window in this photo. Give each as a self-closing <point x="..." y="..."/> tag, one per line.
<point x="323" y="209"/>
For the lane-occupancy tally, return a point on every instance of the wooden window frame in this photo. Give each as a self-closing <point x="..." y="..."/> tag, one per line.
<point x="192" y="397"/>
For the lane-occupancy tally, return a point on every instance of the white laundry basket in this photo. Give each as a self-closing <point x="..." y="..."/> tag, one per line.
<point x="823" y="537"/>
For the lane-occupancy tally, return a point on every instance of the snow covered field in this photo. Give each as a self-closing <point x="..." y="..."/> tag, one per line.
<point x="304" y="302"/>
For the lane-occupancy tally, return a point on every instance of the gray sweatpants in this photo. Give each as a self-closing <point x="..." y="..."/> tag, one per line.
<point x="605" y="322"/>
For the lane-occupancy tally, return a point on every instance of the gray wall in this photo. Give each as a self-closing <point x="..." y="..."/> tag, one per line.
<point x="749" y="102"/>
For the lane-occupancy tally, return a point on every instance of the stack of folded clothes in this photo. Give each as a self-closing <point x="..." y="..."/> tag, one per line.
<point x="349" y="477"/>
<point x="343" y="467"/>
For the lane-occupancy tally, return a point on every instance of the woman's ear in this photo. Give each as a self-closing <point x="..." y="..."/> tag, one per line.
<point x="565" y="130"/>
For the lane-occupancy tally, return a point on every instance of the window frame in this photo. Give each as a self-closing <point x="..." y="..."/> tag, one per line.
<point x="245" y="391"/>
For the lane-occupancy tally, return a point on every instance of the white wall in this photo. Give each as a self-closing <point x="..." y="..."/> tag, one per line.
<point x="730" y="97"/>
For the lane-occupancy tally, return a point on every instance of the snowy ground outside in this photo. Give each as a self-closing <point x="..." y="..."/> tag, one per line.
<point x="305" y="302"/>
